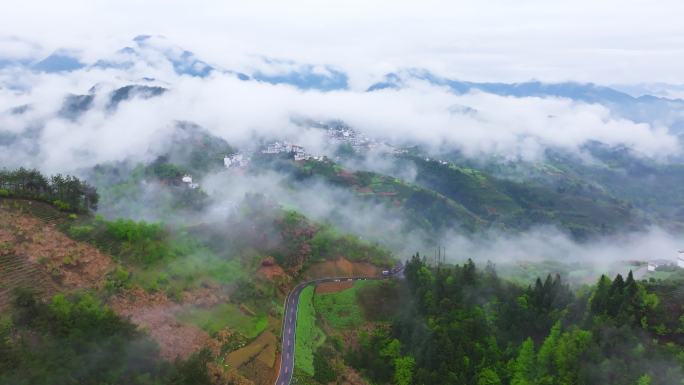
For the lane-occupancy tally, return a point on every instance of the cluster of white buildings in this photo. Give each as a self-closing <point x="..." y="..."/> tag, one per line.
<point x="237" y="160"/>
<point x="345" y="134"/>
<point x="342" y="133"/>
<point x="656" y="263"/>
<point x="290" y="148"/>
<point x="282" y="147"/>
<point x="336" y="132"/>
<point x="442" y="162"/>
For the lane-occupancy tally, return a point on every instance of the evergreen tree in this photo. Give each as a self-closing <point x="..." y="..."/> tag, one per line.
<point x="524" y="367"/>
<point x="545" y="358"/>
<point x="403" y="370"/>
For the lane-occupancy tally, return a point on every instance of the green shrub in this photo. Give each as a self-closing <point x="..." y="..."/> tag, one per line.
<point x="4" y="193"/>
<point x="118" y="280"/>
<point x="81" y="231"/>
<point x="62" y="206"/>
<point x="324" y="372"/>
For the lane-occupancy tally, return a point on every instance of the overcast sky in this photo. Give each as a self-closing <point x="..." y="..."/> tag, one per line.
<point x="606" y="42"/>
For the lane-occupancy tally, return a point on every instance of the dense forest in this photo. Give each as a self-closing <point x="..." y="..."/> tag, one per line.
<point x="464" y="325"/>
<point x="67" y="193"/>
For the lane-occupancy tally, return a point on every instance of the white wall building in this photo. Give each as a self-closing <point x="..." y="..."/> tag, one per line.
<point x="235" y="160"/>
<point x="656" y="263"/>
<point x="680" y="259"/>
<point x="187" y="179"/>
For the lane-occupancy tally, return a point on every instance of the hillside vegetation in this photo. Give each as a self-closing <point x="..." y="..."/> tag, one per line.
<point x="466" y="325"/>
<point x="444" y="196"/>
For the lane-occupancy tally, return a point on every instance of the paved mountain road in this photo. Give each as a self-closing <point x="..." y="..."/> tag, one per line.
<point x="290" y="322"/>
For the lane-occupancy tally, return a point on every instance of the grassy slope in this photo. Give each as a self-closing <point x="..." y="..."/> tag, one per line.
<point x="341" y="310"/>
<point x="520" y="205"/>
<point x="308" y="335"/>
<point x="444" y="195"/>
<point x="657" y="188"/>
<point x="189" y="272"/>
<point x="226" y="315"/>
<point x="426" y="208"/>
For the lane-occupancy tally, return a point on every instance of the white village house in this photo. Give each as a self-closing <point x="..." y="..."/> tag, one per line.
<point x="187" y="179"/>
<point x="656" y="263"/>
<point x="235" y="160"/>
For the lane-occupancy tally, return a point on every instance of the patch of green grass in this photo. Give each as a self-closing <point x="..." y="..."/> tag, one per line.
<point x="341" y="310"/>
<point x="189" y="272"/>
<point x="225" y="315"/>
<point x="308" y="335"/>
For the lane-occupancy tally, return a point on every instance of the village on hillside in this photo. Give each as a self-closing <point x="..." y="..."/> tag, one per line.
<point x="337" y="133"/>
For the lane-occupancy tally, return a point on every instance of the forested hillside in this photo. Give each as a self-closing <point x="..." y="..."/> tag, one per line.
<point x="464" y="324"/>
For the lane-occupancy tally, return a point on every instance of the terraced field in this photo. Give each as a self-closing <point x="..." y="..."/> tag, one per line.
<point x="17" y="272"/>
<point x="40" y="210"/>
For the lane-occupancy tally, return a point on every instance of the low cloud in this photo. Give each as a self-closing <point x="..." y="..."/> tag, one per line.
<point x="242" y="111"/>
<point x="381" y="223"/>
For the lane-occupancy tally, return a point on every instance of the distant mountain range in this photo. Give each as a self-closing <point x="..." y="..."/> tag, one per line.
<point x="156" y="51"/>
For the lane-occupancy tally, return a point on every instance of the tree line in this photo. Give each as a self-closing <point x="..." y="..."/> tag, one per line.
<point x="66" y="192"/>
<point x="465" y="325"/>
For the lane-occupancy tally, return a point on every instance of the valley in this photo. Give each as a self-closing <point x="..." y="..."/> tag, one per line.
<point x="341" y="193"/>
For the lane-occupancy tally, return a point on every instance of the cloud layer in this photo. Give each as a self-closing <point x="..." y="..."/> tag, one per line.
<point x="239" y="111"/>
<point x="614" y="41"/>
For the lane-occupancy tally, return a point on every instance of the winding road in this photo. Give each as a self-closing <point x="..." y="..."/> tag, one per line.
<point x="290" y="321"/>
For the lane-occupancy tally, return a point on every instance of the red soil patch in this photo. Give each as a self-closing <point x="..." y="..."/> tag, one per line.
<point x="206" y="296"/>
<point x="73" y="264"/>
<point x="269" y="269"/>
<point x="346" y="174"/>
<point x="351" y="377"/>
<point x="333" y="287"/>
<point x="341" y="267"/>
<point x="156" y="314"/>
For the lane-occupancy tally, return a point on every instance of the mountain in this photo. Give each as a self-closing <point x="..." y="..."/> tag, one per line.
<point x="645" y="108"/>
<point x="302" y="76"/>
<point x="133" y="91"/>
<point x="586" y="92"/>
<point x="58" y="62"/>
<point x="155" y="51"/>
<point x="74" y="106"/>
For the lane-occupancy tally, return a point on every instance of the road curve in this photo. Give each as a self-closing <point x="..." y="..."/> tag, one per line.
<point x="290" y="323"/>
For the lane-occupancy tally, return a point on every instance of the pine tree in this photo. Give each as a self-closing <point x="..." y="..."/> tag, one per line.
<point x="545" y="359"/>
<point x="599" y="299"/>
<point x="525" y="365"/>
